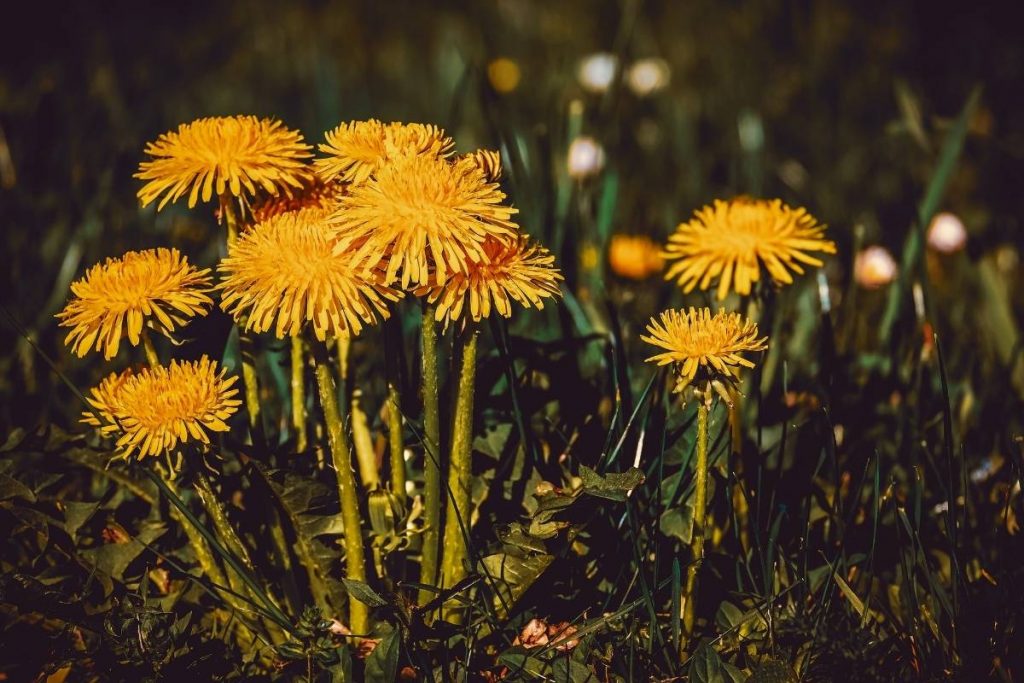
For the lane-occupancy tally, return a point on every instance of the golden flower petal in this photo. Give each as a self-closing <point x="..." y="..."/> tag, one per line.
<point x="237" y="155"/>
<point x="158" y="408"/>
<point x="732" y="240"/>
<point x="156" y="288"/>
<point x="519" y="271"/>
<point x="285" y="272"/>
<point x="421" y="217"/>
<point x="356" y="150"/>
<point x="702" y="346"/>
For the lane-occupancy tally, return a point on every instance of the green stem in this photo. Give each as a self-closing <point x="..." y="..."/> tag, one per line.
<point x="147" y="346"/>
<point x="431" y="457"/>
<point x="355" y="557"/>
<point x="299" y="393"/>
<point x="366" y="457"/>
<point x="699" y="518"/>
<point x="395" y="444"/>
<point x="460" y="472"/>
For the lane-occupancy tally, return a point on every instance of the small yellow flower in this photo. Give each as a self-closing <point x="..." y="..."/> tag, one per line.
<point x="231" y="154"/>
<point x="154" y="410"/>
<point x="520" y="272"/>
<point x="284" y="273"/>
<point x="732" y="240"/>
<point x="487" y="160"/>
<point x="421" y="216"/>
<point x="356" y="150"/>
<point x="157" y="288"/>
<point x="703" y="348"/>
<point x="635" y="257"/>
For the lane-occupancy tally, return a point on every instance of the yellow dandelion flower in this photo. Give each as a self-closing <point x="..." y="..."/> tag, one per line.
<point x="703" y="348"/>
<point x="156" y="288"/>
<point x="315" y="194"/>
<point x="158" y="408"/>
<point x="487" y="160"/>
<point x="230" y="154"/>
<point x="635" y="257"/>
<point x="356" y="150"/>
<point x="732" y="240"/>
<point x="520" y="272"/>
<point x="423" y="216"/>
<point x="285" y="272"/>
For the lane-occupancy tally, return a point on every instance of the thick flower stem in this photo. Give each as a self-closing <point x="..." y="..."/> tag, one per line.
<point x="699" y="518"/>
<point x="147" y="346"/>
<point x="431" y="457"/>
<point x="460" y="472"/>
<point x="229" y="537"/>
<point x="341" y="453"/>
<point x="395" y="445"/>
<point x="299" y="393"/>
<point x="362" y="439"/>
<point x="249" y="376"/>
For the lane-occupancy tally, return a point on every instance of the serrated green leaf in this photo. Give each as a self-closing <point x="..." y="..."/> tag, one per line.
<point x="382" y="664"/>
<point x="706" y="665"/>
<point x="613" y="486"/>
<point x="513" y="575"/>
<point x="363" y="593"/>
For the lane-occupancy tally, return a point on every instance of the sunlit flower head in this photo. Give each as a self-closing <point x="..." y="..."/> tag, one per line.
<point x="947" y="233"/>
<point x="236" y="155"/>
<point x="636" y="257"/>
<point x="422" y="216"/>
<point x="733" y="240"/>
<point x="874" y="267"/>
<point x="153" y="411"/>
<point x="518" y="271"/>
<point x="704" y="349"/>
<point x="315" y="194"/>
<point x="285" y="273"/>
<point x="156" y="288"/>
<point x="356" y="150"/>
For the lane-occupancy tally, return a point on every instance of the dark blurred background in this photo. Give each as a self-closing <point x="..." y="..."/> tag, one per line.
<point x="833" y="105"/>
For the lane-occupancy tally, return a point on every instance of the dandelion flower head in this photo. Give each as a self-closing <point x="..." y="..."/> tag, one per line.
<point x="156" y="288"/>
<point x="732" y="240"/>
<point x="236" y="155"/>
<point x="702" y="347"/>
<point x="285" y="272"/>
<point x="155" y="410"/>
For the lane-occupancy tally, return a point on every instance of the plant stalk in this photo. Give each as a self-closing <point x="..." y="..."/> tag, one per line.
<point x="366" y="456"/>
<point x="395" y="445"/>
<point x="299" y="393"/>
<point x="699" y="518"/>
<point x="431" y="457"/>
<point x="147" y="346"/>
<point x="460" y="472"/>
<point x="341" y="453"/>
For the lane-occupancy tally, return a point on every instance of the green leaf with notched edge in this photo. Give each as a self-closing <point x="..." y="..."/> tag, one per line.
<point x="363" y="593"/>
<point x="678" y="522"/>
<point x="512" y="575"/>
<point x="613" y="486"/>
<point x="113" y="558"/>
<point x="299" y="498"/>
<point x="706" y="665"/>
<point x="382" y="664"/>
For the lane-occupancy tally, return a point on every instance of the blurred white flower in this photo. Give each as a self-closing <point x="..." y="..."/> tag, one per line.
<point x="874" y="267"/>
<point x="947" y="233"/>
<point x="647" y="76"/>
<point x="586" y="157"/>
<point x="597" y="71"/>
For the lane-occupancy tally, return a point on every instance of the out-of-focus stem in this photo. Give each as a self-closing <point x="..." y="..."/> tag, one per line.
<point x="460" y="472"/>
<point x="363" y="442"/>
<point x="699" y="517"/>
<point x="299" y="393"/>
<point x="431" y="457"/>
<point x="393" y="410"/>
<point x="355" y="557"/>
